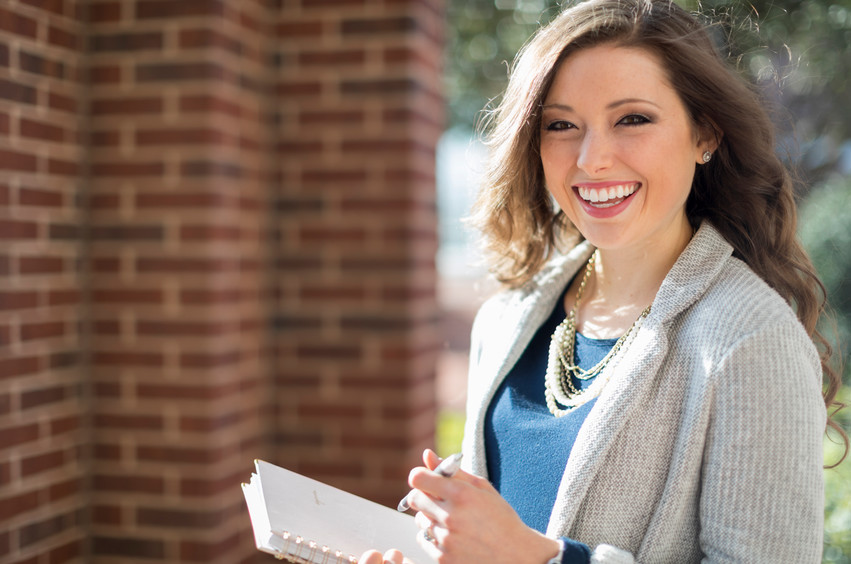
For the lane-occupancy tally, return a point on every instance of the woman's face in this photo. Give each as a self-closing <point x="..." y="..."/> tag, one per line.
<point x="619" y="148"/>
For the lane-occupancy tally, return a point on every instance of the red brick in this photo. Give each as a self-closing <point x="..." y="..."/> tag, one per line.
<point x="210" y="233"/>
<point x="177" y="518"/>
<point x="62" y="490"/>
<point x="103" y="265"/>
<point x="168" y="9"/>
<point x="61" y="38"/>
<point x="69" y="552"/>
<point x="179" y="72"/>
<point x="161" y="137"/>
<point x="339" y="58"/>
<point x="194" y="551"/>
<point x="332" y="118"/>
<point x="40" y="198"/>
<point x="23" y="299"/>
<point x="184" y="200"/>
<point x="14" y="436"/>
<point x="102" y="75"/>
<point x="42" y="462"/>
<point x="64" y="425"/>
<point x="129" y="483"/>
<point x="62" y="103"/>
<point x="196" y="38"/>
<point x="127" y="232"/>
<point x="128" y="421"/>
<point x="17" y="24"/>
<point x="126" y="296"/>
<point x="107" y="515"/>
<point x="209" y="103"/>
<point x="210" y="359"/>
<point x="107" y="106"/>
<point x="292" y="89"/>
<point x="14" y="229"/>
<point x="43" y="330"/>
<point x="63" y="297"/>
<point x="128" y="547"/>
<point x="40" y="65"/>
<point x="101" y="12"/>
<point x="128" y="359"/>
<point x="42" y="397"/>
<point x="186" y="265"/>
<point x="17" y="504"/>
<point x="62" y="167"/>
<point x="185" y="328"/>
<point x="17" y="92"/>
<point x="299" y="30"/>
<point x="4" y="123"/>
<point x="64" y="359"/>
<point x="208" y="424"/>
<point x="14" y="160"/>
<point x="123" y="42"/>
<point x="41" y="130"/>
<point x="128" y="169"/>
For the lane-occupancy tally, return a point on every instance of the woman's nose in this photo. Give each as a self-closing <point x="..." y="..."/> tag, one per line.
<point x="595" y="153"/>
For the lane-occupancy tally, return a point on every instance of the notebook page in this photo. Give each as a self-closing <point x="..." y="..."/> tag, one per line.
<point x="334" y="518"/>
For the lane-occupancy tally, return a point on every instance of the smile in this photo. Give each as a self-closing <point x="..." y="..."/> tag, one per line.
<point x="608" y="196"/>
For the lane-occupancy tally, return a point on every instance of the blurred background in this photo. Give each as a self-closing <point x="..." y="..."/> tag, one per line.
<point x="231" y="229"/>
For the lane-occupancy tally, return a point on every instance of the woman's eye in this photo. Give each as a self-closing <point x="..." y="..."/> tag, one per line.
<point x="634" y="119"/>
<point x="559" y="125"/>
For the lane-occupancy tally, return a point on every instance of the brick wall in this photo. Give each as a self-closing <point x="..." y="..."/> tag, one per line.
<point x="42" y="499"/>
<point x="360" y="112"/>
<point x="218" y="232"/>
<point x="179" y="195"/>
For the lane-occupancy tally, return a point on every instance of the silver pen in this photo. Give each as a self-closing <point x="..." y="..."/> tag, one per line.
<point x="447" y="468"/>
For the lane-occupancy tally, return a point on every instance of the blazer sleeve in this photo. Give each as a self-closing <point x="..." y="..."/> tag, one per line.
<point x="762" y="492"/>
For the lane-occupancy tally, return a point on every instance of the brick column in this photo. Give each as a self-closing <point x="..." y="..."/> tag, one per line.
<point x="360" y="114"/>
<point x="42" y="499"/>
<point x="179" y="204"/>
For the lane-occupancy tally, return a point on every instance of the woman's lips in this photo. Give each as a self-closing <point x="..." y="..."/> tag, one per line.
<point x="606" y="200"/>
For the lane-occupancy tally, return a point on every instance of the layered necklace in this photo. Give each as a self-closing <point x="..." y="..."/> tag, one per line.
<point x="561" y="394"/>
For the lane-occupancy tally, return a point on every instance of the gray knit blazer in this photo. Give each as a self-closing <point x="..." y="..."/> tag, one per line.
<point x="706" y="444"/>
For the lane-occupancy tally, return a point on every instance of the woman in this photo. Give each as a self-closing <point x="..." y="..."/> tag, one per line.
<point x="647" y="386"/>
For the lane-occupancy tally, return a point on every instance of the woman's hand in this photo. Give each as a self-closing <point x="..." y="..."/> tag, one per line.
<point x="464" y="519"/>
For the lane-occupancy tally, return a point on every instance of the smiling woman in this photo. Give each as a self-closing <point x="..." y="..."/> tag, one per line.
<point x="647" y="386"/>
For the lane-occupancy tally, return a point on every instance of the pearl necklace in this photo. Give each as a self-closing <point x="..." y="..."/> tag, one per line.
<point x="558" y="384"/>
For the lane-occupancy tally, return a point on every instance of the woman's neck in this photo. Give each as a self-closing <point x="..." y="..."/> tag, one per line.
<point x="624" y="282"/>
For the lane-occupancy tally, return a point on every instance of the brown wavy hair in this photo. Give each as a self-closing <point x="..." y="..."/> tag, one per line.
<point x="745" y="191"/>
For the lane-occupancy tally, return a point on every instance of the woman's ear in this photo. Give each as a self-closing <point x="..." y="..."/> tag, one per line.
<point x="709" y="138"/>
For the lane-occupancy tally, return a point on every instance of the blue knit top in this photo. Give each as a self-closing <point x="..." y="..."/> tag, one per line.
<point x="527" y="447"/>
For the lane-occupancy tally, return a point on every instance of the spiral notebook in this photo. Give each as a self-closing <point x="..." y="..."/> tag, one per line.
<point x="301" y="520"/>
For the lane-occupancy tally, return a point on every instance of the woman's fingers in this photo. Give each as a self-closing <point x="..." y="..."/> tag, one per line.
<point x="430" y="459"/>
<point x="371" y="557"/>
<point x="392" y="556"/>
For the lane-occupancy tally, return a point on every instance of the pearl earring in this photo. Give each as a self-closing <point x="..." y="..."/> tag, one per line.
<point x="707" y="156"/>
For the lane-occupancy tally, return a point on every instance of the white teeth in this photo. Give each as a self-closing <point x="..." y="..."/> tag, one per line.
<point x="594" y="195"/>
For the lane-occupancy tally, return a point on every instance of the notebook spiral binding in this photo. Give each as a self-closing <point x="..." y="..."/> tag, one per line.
<point x="300" y="551"/>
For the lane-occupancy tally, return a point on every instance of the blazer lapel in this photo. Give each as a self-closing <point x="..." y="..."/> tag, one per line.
<point x="505" y="341"/>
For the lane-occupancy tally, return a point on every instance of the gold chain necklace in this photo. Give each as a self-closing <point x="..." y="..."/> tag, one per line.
<point x="558" y="383"/>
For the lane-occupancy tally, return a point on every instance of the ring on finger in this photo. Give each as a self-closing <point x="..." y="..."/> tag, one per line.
<point x="428" y="535"/>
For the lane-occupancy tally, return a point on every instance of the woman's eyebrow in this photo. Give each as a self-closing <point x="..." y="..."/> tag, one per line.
<point x="612" y="105"/>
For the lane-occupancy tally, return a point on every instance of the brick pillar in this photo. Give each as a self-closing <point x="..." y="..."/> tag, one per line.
<point x="42" y="499"/>
<point x="360" y="110"/>
<point x="179" y="205"/>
